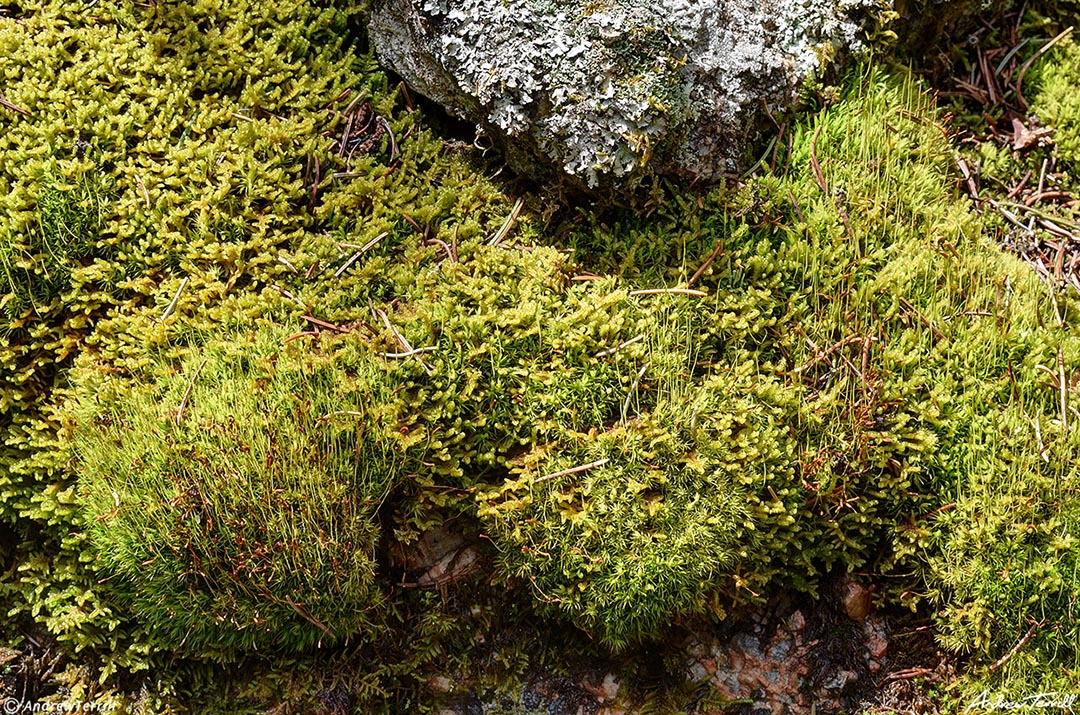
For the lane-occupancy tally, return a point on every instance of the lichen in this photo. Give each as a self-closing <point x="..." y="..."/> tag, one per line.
<point x="601" y="87"/>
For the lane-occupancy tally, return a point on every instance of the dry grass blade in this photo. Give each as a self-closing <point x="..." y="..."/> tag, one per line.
<point x="308" y="617"/>
<point x="508" y="224"/>
<point x="1063" y="391"/>
<point x="819" y="175"/>
<point x="176" y="297"/>
<point x="572" y="470"/>
<point x="670" y="291"/>
<point x="1016" y="648"/>
<point x="187" y="393"/>
<point x="630" y="392"/>
<point x="620" y="346"/>
<point x="1031" y="60"/>
<point x="410" y="353"/>
<point x="402" y="341"/>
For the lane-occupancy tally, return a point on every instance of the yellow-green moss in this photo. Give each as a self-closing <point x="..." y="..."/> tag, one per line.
<point x="1055" y="100"/>
<point x="865" y="384"/>
<point x="234" y="493"/>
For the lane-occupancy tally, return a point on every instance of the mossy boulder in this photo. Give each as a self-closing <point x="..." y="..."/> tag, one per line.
<point x="601" y="92"/>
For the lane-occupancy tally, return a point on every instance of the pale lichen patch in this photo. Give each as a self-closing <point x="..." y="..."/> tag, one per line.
<point x="601" y="88"/>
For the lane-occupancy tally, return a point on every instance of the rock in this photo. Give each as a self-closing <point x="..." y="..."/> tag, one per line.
<point x="856" y="598"/>
<point x="601" y="91"/>
<point x="441" y="557"/>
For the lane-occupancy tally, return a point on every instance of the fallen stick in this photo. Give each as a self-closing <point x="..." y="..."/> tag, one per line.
<point x="1015" y="649"/>
<point x="708" y="262"/>
<point x="324" y="324"/>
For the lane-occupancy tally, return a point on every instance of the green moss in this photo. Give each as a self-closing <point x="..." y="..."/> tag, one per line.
<point x="1055" y="101"/>
<point x="858" y="389"/>
<point x="233" y="493"/>
<point x="625" y="530"/>
<point x="154" y="200"/>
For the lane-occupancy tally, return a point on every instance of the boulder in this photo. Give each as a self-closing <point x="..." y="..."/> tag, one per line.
<point x="605" y="90"/>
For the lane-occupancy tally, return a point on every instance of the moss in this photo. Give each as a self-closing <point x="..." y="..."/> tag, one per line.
<point x="1055" y="100"/>
<point x="179" y="196"/>
<point x="625" y="530"/>
<point x="233" y="492"/>
<point x="858" y="387"/>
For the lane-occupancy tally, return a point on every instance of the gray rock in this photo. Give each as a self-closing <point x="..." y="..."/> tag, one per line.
<point x="602" y="89"/>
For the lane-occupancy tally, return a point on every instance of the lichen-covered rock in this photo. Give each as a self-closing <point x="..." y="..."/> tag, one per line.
<point x="602" y="89"/>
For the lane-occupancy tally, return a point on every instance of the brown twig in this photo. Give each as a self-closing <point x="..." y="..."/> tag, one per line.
<point x="795" y="203"/>
<point x="939" y="510"/>
<point x="324" y="324"/>
<point x="305" y="334"/>
<point x="412" y="222"/>
<point x="286" y="294"/>
<point x="408" y="99"/>
<point x="441" y="244"/>
<point x="708" y="262"/>
<point x="1041" y="51"/>
<point x="937" y="333"/>
<point x="984" y="66"/>
<point x="308" y="617"/>
<point x="1013" y="193"/>
<point x="14" y="107"/>
<point x="824" y="354"/>
<point x="969" y="180"/>
<point x="908" y="674"/>
<point x="1036" y="198"/>
<point x="1016" y="648"/>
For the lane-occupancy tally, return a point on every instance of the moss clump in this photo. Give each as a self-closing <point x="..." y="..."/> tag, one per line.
<point x="233" y="493"/>
<point x="185" y="160"/>
<point x="1056" y="102"/>
<point x="69" y="221"/>
<point x="625" y="530"/>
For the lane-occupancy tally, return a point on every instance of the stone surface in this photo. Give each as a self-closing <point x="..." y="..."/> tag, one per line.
<point x="856" y="598"/>
<point x="600" y="89"/>
<point x="791" y="656"/>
